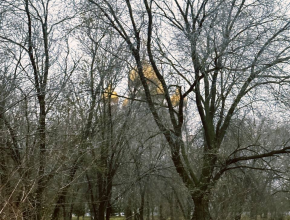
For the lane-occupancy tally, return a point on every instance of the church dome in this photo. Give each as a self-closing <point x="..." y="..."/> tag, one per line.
<point x="109" y="93"/>
<point x="175" y="98"/>
<point x="125" y="102"/>
<point x="152" y="80"/>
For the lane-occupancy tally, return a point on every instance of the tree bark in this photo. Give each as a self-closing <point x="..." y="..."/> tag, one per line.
<point x="141" y="210"/>
<point x="102" y="209"/>
<point x="94" y="209"/>
<point x="201" y="209"/>
<point x="108" y="211"/>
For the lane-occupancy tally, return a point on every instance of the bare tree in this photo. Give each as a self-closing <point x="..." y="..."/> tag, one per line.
<point x="31" y="31"/>
<point x="202" y="79"/>
<point x="232" y="49"/>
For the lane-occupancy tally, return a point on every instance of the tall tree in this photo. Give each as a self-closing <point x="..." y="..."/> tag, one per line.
<point x="32" y="32"/>
<point x="229" y="51"/>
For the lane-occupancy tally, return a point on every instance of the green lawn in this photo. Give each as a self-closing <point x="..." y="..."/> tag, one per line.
<point x="89" y="218"/>
<point x="81" y="218"/>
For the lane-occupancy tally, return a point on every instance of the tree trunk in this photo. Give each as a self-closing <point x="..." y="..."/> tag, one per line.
<point x="148" y="208"/>
<point x="102" y="209"/>
<point x="58" y="205"/>
<point x="201" y="209"/>
<point x="128" y="209"/>
<point x="171" y="208"/>
<point x="109" y="195"/>
<point x="161" y="217"/>
<point x="141" y="210"/>
<point x="238" y="216"/>
<point x="108" y="211"/>
<point x="93" y="208"/>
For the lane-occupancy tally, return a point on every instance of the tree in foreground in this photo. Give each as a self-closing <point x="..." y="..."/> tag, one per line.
<point x="222" y="54"/>
<point x="206" y="81"/>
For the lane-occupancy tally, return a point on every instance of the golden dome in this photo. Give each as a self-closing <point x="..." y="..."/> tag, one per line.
<point x="109" y="93"/>
<point x="175" y="98"/>
<point x="125" y="102"/>
<point x="133" y="75"/>
<point x="148" y="73"/>
<point x="155" y="85"/>
<point x="160" y="89"/>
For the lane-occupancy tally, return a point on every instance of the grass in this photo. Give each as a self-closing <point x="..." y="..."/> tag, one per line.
<point x="259" y="218"/>
<point x="81" y="218"/>
<point x="123" y="218"/>
<point x="89" y="218"/>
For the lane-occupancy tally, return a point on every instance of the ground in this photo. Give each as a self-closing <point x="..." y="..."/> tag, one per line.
<point x="89" y="218"/>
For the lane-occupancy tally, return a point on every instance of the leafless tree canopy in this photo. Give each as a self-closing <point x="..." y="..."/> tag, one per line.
<point x="147" y="109"/>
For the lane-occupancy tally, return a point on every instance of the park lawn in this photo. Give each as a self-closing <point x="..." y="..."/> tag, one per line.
<point x="81" y="218"/>
<point x="89" y="218"/>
